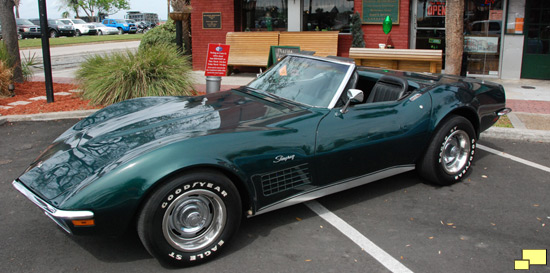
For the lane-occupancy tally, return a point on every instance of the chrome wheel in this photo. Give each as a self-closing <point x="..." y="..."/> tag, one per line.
<point x="194" y="220"/>
<point x="455" y="152"/>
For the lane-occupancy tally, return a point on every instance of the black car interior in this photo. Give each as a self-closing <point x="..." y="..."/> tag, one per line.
<point x="380" y="87"/>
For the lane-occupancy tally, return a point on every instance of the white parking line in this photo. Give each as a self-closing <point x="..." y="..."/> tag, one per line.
<point x="379" y="254"/>
<point x="515" y="158"/>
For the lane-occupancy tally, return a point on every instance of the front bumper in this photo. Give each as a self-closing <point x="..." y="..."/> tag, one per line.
<point x="64" y="218"/>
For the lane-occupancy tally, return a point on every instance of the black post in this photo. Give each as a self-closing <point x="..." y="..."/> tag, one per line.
<point x="46" y="49"/>
<point x="179" y="34"/>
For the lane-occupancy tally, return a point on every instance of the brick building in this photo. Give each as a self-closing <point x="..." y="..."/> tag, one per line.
<point x="503" y="38"/>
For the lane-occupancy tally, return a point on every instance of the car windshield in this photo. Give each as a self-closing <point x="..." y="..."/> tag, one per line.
<point x="23" y="22"/>
<point x="79" y="21"/>
<point x="120" y="21"/>
<point x="308" y="81"/>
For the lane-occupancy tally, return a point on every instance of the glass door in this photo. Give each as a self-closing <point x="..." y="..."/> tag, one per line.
<point x="428" y="24"/>
<point x="536" y="55"/>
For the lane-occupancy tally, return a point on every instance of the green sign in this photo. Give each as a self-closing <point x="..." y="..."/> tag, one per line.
<point x="434" y="41"/>
<point x="375" y="11"/>
<point x="278" y="52"/>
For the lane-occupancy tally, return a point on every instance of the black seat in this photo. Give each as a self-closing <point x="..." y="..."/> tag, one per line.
<point x="388" y="88"/>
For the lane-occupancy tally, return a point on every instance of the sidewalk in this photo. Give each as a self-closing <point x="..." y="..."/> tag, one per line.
<point x="529" y="100"/>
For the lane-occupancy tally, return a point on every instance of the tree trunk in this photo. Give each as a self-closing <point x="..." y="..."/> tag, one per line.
<point x="9" y="35"/>
<point x="454" y="36"/>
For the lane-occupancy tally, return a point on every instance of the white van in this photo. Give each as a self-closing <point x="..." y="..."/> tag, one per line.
<point x="80" y="26"/>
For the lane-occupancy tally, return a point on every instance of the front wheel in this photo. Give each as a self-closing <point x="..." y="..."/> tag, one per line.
<point x="78" y="33"/>
<point x="450" y="153"/>
<point x="120" y="31"/>
<point x="99" y="32"/>
<point x="53" y="34"/>
<point x="189" y="219"/>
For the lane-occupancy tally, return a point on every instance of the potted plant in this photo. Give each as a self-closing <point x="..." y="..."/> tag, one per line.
<point x="181" y="9"/>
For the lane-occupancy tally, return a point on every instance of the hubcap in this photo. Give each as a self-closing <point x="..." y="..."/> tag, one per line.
<point x="456" y="151"/>
<point x="194" y="220"/>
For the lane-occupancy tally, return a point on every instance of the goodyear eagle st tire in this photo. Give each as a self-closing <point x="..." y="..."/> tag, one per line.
<point x="450" y="153"/>
<point x="190" y="219"/>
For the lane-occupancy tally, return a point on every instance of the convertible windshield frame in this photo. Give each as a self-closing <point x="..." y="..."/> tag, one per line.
<point x="347" y="69"/>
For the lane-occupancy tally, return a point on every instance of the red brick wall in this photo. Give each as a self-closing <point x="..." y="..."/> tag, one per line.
<point x="344" y="43"/>
<point x="202" y="37"/>
<point x="374" y="34"/>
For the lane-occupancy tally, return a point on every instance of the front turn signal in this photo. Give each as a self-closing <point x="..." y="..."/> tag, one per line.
<point x="84" y="223"/>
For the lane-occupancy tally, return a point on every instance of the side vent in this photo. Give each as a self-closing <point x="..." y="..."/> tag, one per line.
<point x="285" y="179"/>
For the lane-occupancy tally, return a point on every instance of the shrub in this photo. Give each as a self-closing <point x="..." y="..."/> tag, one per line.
<point x="158" y="70"/>
<point x="357" y="31"/>
<point x="26" y="61"/>
<point x="163" y="34"/>
<point x="5" y="79"/>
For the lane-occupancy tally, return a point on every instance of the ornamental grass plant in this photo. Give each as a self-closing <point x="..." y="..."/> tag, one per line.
<point x="5" y="79"/>
<point x="158" y="70"/>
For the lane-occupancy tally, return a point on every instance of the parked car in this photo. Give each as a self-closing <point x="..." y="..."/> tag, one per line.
<point x="26" y="29"/>
<point x="105" y="30"/>
<point x="183" y="171"/>
<point x="57" y="28"/>
<point x="80" y="26"/>
<point x="121" y="24"/>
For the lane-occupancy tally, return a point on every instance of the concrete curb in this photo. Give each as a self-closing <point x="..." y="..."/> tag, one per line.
<point x="48" y="116"/>
<point x="493" y="132"/>
<point x="517" y="134"/>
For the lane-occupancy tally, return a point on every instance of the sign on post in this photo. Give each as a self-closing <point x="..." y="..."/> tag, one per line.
<point x="276" y="53"/>
<point x="216" y="60"/>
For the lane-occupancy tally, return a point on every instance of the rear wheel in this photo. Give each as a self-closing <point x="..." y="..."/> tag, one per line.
<point x="78" y="33"/>
<point x="120" y="31"/>
<point x="190" y="218"/>
<point x="450" y="153"/>
<point x="53" y="34"/>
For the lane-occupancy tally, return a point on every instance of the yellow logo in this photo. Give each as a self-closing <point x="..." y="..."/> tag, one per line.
<point x="530" y="257"/>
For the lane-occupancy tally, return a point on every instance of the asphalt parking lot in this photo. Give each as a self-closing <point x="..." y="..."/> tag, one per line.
<point x="479" y="225"/>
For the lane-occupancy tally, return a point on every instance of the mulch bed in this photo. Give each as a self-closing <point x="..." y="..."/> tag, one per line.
<point x="25" y="91"/>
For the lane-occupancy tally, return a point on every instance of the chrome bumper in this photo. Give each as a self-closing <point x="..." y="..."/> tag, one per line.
<point x="61" y="217"/>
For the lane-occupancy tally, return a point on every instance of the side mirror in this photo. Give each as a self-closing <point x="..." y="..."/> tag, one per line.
<point x="352" y="95"/>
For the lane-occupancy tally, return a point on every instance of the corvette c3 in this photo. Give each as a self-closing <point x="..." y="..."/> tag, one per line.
<point x="183" y="171"/>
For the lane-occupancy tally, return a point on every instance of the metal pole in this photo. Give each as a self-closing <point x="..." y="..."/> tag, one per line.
<point x="46" y="50"/>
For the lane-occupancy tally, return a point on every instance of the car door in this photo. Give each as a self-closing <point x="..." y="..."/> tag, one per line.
<point x="371" y="137"/>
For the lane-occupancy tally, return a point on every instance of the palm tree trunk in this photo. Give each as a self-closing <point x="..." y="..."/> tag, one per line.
<point x="454" y="36"/>
<point x="9" y="35"/>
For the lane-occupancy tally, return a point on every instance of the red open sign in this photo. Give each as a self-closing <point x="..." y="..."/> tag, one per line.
<point x="216" y="60"/>
<point x="436" y="9"/>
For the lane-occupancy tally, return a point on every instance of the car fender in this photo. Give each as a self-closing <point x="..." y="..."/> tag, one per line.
<point x="116" y="195"/>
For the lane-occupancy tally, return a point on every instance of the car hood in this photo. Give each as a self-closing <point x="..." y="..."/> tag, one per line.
<point x="121" y="132"/>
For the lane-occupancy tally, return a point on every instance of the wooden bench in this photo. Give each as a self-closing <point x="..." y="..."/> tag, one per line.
<point x="416" y="60"/>
<point x="324" y="43"/>
<point x="250" y="48"/>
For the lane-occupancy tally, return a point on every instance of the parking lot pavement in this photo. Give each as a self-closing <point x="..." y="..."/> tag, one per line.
<point x="479" y="225"/>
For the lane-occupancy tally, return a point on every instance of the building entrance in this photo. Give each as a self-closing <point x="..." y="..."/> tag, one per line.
<point x="536" y="49"/>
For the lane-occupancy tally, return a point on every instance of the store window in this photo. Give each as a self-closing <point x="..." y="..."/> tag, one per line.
<point x="265" y="15"/>
<point x="327" y="15"/>
<point x="483" y="26"/>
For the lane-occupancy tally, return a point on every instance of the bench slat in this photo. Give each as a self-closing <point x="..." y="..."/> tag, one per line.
<point x="250" y="48"/>
<point x="324" y="43"/>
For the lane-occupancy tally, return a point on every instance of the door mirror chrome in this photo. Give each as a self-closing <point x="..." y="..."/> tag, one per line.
<point x="352" y="95"/>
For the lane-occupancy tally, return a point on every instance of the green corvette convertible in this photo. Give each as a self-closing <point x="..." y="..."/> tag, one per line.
<point x="184" y="170"/>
